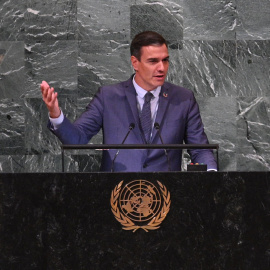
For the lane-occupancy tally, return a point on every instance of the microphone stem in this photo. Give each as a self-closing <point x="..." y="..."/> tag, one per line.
<point x="165" y="151"/>
<point x="130" y="128"/>
<point x="126" y="136"/>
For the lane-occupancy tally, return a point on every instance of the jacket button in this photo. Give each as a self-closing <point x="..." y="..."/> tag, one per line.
<point x="145" y="165"/>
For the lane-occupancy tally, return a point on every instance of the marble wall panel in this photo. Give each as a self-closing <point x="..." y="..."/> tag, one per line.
<point x="157" y="17"/>
<point x="210" y="67"/>
<point x="43" y="163"/>
<point x="253" y="20"/>
<point x="210" y="20"/>
<point x="12" y="72"/>
<point x="219" y="118"/>
<point x="253" y="133"/>
<point x="253" y="68"/>
<point x="12" y="163"/>
<point x="176" y="69"/>
<point x="12" y="20"/>
<point x="83" y="162"/>
<point x="39" y="139"/>
<point x="108" y="60"/>
<point x="52" y="61"/>
<point x="100" y="63"/>
<point x="51" y="20"/>
<point x="103" y="19"/>
<point x="12" y="127"/>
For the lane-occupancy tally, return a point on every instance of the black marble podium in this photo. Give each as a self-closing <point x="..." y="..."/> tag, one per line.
<point x="64" y="221"/>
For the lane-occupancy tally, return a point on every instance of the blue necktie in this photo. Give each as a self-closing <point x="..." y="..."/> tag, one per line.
<point x="146" y="122"/>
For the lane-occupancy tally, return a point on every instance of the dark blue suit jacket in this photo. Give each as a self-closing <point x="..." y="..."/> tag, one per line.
<point x="114" y="108"/>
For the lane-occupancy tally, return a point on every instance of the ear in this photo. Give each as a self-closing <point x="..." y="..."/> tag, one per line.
<point x="134" y="62"/>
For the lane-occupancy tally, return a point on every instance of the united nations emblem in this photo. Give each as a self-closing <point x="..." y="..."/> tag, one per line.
<point x="140" y="205"/>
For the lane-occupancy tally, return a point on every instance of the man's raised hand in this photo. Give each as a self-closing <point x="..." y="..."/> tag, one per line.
<point x="50" y="99"/>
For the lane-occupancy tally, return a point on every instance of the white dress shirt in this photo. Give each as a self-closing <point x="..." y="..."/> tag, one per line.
<point x="153" y="103"/>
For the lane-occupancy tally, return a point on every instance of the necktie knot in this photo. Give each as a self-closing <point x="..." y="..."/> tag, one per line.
<point x="147" y="97"/>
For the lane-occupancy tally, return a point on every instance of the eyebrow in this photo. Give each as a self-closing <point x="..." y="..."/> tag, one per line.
<point x="155" y="59"/>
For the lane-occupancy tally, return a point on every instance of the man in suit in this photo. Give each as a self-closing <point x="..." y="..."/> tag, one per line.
<point x="116" y="108"/>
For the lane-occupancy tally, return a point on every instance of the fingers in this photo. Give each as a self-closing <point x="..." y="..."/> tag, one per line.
<point x="48" y="93"/>
<point x="50" y="99"/>
<point x="44" y="90"/>
<point x="44" y="87"/>
<point x="53" y="96"/>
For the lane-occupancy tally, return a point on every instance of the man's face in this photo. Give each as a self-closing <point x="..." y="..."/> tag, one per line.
<point x="152" y="69"/>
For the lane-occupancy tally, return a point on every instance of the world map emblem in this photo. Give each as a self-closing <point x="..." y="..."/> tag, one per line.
<point x="140" y="204"/>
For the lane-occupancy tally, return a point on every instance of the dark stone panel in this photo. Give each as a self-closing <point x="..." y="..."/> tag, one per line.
<point x="43" y="163"/>
<point x="101" y="63"/>
<point x="176" y="69"/>
<point x="157" y="17"/>
<point x="84" y="162"/>
<point x="108" y="62"/>
<point x="253" y="61"/>
<point x="12" y="20"/>
<point x="51" y="20"/>
<point x="12" y="72"/>
<point x="12" y="163"/>
<point x="52" y="61"/>
<point x="210" y="67"/>
<point x="103" y="20"/>
<point x="12" y="129"/>
<point x="253" y="134"/>
<point x="255" y="234"/>
<point x="210" y="20"/>
<point x="253" y="20"/>
<point x="23" y="225"/>
<point x="64" y="221"/>
<point x="39" y="140"/>
<point x="219" y="118"/>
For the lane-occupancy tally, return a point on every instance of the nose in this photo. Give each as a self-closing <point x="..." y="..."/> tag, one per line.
<point x="161" y="66"/>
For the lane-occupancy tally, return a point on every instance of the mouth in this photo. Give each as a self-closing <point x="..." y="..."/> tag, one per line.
<point x="160" y="76"/>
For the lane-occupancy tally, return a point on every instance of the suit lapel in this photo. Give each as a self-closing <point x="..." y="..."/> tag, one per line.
<point x="164" y="98"/>
<point x="132" y="100"/>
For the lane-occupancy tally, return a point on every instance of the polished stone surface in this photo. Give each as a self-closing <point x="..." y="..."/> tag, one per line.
<point x="218" y="49"/>
<point x="64" y="221"/>
<point x="211" y="20"/>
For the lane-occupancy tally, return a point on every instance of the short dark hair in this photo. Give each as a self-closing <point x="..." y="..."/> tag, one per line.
<point x="146" y="38"/>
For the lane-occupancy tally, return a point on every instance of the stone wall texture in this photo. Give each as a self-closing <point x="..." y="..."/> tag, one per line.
<point x="220" y="49"/>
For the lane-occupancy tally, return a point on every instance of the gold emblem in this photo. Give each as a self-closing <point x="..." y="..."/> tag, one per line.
<point x="140" y="205"/>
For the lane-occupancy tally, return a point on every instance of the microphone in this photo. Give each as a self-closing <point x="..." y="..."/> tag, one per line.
<point x="157" y="127"/>
<point x="131" y="127"/>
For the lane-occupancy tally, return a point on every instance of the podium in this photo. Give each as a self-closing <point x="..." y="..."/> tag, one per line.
<point x="217" y="220"/>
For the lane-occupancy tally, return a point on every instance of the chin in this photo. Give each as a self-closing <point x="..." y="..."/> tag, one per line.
<point x="160" y="83"/>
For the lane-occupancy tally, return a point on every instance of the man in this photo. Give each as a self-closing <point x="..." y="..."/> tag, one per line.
<point x="116" y="107"/>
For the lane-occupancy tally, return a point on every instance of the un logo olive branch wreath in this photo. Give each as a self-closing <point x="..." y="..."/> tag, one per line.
<point x="127" y="223"/>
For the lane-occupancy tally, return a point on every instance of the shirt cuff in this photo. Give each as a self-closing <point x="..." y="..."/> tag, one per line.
<point x="56" y="122"/>
<point x="212" y="170"/>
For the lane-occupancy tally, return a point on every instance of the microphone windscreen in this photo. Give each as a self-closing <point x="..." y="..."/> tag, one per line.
<point x="131" y="126"/>
<point x="156" y="125"/>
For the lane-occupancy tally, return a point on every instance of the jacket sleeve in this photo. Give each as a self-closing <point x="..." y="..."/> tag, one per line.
<point x="85" y="127"/>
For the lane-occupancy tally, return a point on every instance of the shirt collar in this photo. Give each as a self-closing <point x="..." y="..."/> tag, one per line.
<point x="141" y="92"/>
